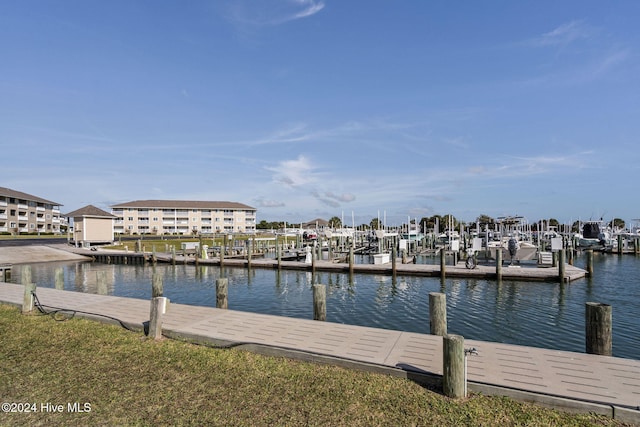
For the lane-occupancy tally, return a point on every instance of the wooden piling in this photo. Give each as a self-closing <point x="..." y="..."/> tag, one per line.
<point x="279" y="252"/>
<point x="453" y="375"/>
<point x="438" y="313"/>
<point x="223" y="247"/>
<point x="158" y="308"/>
<point x="443" y="269"/>
<point x="157" y="285"/>
<point x="222" y="289"/>
<point x="320" y="302"/>
<point x="561" y="266"/>
<point x="598" y="325"/>
<point x="29" y="290"/>
<point x="393" y="260"/>
<point x="620" y="245"/>
<point x="590" y="262"/>
<point x="351" y="261"/>
<point x="499" y="263"/>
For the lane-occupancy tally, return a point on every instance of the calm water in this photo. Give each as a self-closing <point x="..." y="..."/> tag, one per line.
<point x="548" y="315"/>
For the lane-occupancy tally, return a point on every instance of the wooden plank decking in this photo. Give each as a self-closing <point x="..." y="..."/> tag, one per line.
<point x="577" y="381"/>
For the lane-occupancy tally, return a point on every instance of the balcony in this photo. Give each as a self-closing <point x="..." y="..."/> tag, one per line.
<point x="40" y="208"/>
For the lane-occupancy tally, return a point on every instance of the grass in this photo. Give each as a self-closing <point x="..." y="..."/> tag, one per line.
<point x="130" y="380"/>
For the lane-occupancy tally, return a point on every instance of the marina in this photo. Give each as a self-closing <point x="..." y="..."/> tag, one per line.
<point x="527" y="336"/>
<point x="533" y="313"/>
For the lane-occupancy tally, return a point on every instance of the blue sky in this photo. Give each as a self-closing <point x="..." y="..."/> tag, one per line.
<point x="321" y="108"/>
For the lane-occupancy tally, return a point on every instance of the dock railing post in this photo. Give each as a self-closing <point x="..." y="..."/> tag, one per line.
<point x="158" y="308"/>
<point x="453" y="375"/>
<point x="438" y="313"/>
<point x="598" y="324"/>
<point x="222" y="289"/>
<point x="320" y="302"/>
<point x="29" y="290"/>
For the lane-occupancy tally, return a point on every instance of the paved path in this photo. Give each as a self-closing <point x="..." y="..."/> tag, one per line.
<point x="607" y="385"/>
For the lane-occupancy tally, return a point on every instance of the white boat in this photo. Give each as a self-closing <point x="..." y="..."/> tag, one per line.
<point x="594" y="234"/>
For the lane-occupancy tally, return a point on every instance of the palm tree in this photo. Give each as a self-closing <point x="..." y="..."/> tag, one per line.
<point x="335" y="222"/>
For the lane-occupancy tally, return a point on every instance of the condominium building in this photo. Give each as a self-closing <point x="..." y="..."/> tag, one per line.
<point x="183" y="217"/>
<point x="24" y="213"/>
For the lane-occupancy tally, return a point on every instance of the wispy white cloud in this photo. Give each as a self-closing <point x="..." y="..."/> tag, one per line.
<point x="296" y="132"/>
<point x="310" y="7"/>
<point x="259" y="13"/>
<point x="563" y="35"/>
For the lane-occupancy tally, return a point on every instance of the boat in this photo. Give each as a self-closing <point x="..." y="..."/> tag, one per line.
<point x="594" y="234"/>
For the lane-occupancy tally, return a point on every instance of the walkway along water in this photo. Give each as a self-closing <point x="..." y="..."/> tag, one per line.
<point x="571" y="381"/>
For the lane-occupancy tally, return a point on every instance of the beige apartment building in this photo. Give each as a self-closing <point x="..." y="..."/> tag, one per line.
<point x="183" y="217"/>
<point x="24" y="213"/>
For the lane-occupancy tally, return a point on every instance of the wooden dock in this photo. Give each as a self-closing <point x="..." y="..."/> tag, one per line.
<point x="567" y="380"/>
<point x="524" y="273"/>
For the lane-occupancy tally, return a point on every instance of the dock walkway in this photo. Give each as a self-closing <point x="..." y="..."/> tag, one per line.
<point x="569" y="380"/>
<point x="525" y="273"/>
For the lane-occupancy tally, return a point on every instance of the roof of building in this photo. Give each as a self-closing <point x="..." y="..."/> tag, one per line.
<point x="182" y="204"/>
<point x="7" y="192"/>
<point x="318" y="222"/>
<point x="89" y="211"/>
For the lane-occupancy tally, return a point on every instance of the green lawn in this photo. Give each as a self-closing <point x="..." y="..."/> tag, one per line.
<point x="127" y="379"/>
